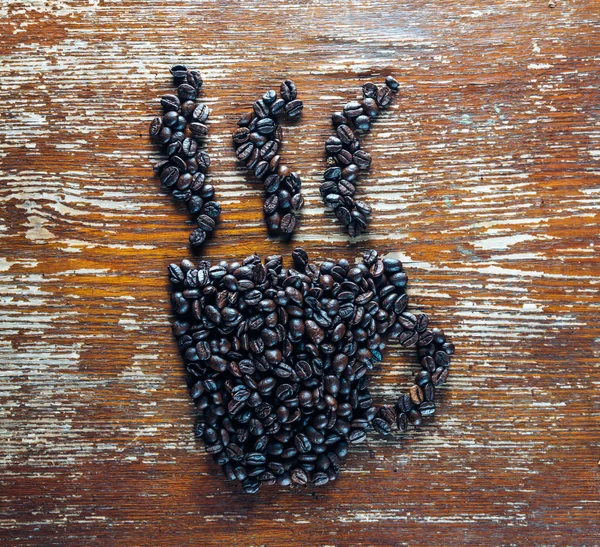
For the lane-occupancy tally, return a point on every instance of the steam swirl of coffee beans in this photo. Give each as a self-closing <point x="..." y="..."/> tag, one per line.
<point x="277" y="360"/>
<point x="346" y="159"/>
<point x="181" y="131"/>
<point x="258" y="143"/>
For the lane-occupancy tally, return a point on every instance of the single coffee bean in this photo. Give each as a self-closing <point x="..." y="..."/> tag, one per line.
<point x="170" y="102"/>
<point x="293" y="108"/>
<point x="288" y="91"/>
<point x="186" y="92"/>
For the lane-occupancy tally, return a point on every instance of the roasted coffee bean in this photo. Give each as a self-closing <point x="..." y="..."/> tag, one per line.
<point x="345" y="134"/>
<point x="179" y="72"/>
<point x="155" y="127"/>
<point x="186" y="92"/>
<point x="293" y="108"/>
<point x="369" y="90"/>
<point x="198" y="129"/>
<point x="288" y="91"/>
<point x="362" y="123"/>
<point x="384" y="97"/>
<point x="333" y="145"/>
<point x="261" y="109"/>
<point x="392" y="83"/>
<point x="169" y="176"/>
<point x="244" y="151"/>
<point x="194" y="79"/>
<point x="370" y="107"/>
<point x="266" y="126"/>
<point x="170" y="102"/>
<point x="361" y="159"/>
<point x="288" y="223"/>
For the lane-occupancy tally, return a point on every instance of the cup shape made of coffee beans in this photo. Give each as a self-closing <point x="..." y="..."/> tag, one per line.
<point x="277" y="361"/>
<point x="346" y="159"/>
<point x="258" y="145"/>
<point x="181" y="131"/>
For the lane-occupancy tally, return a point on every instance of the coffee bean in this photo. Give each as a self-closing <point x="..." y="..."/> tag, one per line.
<point x="179" y="72"/>
<point x="266" y="126"/>
<point x="392" y="83"/>
<point x="244" y="151"/>
<point x="333" y="145"/>
<point x="201" y="113"/>
<point x="362" y="123"/>
<point x="345" y="134"/>
<point x="186" y="92"/>
<point x="362" y="159"/>
<point x="169" y="176"/>
<point x="194" y="79"/>
<point x="170" y="102"/>
<point x="198" y="129"/>
<point x="293" y="108"/>
<point x="288" y="223"/>
<point x="370" y="107"/>
<point x="353" y="109"/>
<point x="155" y="127"/>
<point x="288" y="91"/>
<point x="416" y="395"/>
<point x="197" y="237"/>
<point x="369" y="90"/>
<point x="384" y="97"/>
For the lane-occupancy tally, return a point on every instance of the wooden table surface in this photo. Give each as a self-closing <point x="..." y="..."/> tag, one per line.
<point x="486" y="181"/>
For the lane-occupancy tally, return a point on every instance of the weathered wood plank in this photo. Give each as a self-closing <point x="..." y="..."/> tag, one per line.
<point x="485" y="182"/>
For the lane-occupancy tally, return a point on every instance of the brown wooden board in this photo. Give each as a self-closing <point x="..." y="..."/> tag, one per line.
<point x="485" y="180"/>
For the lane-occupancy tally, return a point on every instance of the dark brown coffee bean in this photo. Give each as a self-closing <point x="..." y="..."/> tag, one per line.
<point x="269" y="150"/>
<point x="277" y="107"/>
<point x="194" y="79"/>
<point x="198" y="129"/>
<point x="353" y="109"/>
<point x="362" y="159"/>
<point x="384" y="97"/>
<point x="288" y="223"/>
<point x="169" y="176"/>
<point x="170" y="102"/>
<point x="293" y="108"/>
<point x="333" y="145"/>
<point x="345" y="134"/>
<point x="197" y="237"/>
<point x="186" y="92"/>
<point x="244" y="151"/>
<point x="369" y="90"/>
<point x="362" y="123"/>
<point x="392" y="83"/>
<point x="370" y="107"/>
<point x="155" y="127"/>
<point x="179" y="72"/>
<point x="288" y="91"/>
<point x="201" y="113"/>
<point x="265" y="126"/>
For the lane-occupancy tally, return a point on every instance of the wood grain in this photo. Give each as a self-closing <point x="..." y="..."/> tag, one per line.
<point x="485" y="181"/>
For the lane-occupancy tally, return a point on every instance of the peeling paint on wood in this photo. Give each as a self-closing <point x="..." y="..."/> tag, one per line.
<point x="485" y="181"/>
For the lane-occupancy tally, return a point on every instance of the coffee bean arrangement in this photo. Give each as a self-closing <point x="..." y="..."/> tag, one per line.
<point x="258" y="143"/>
<point x="345" y="157"/>
<point x="277" y="360"/>
<point x="181" y="131"/>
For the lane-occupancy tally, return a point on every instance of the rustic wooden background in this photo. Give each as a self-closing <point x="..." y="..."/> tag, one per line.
<point x="485" y="181"/>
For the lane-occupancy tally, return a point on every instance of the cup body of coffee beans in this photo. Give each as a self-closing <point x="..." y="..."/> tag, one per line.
<point x="277" y="360"/>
